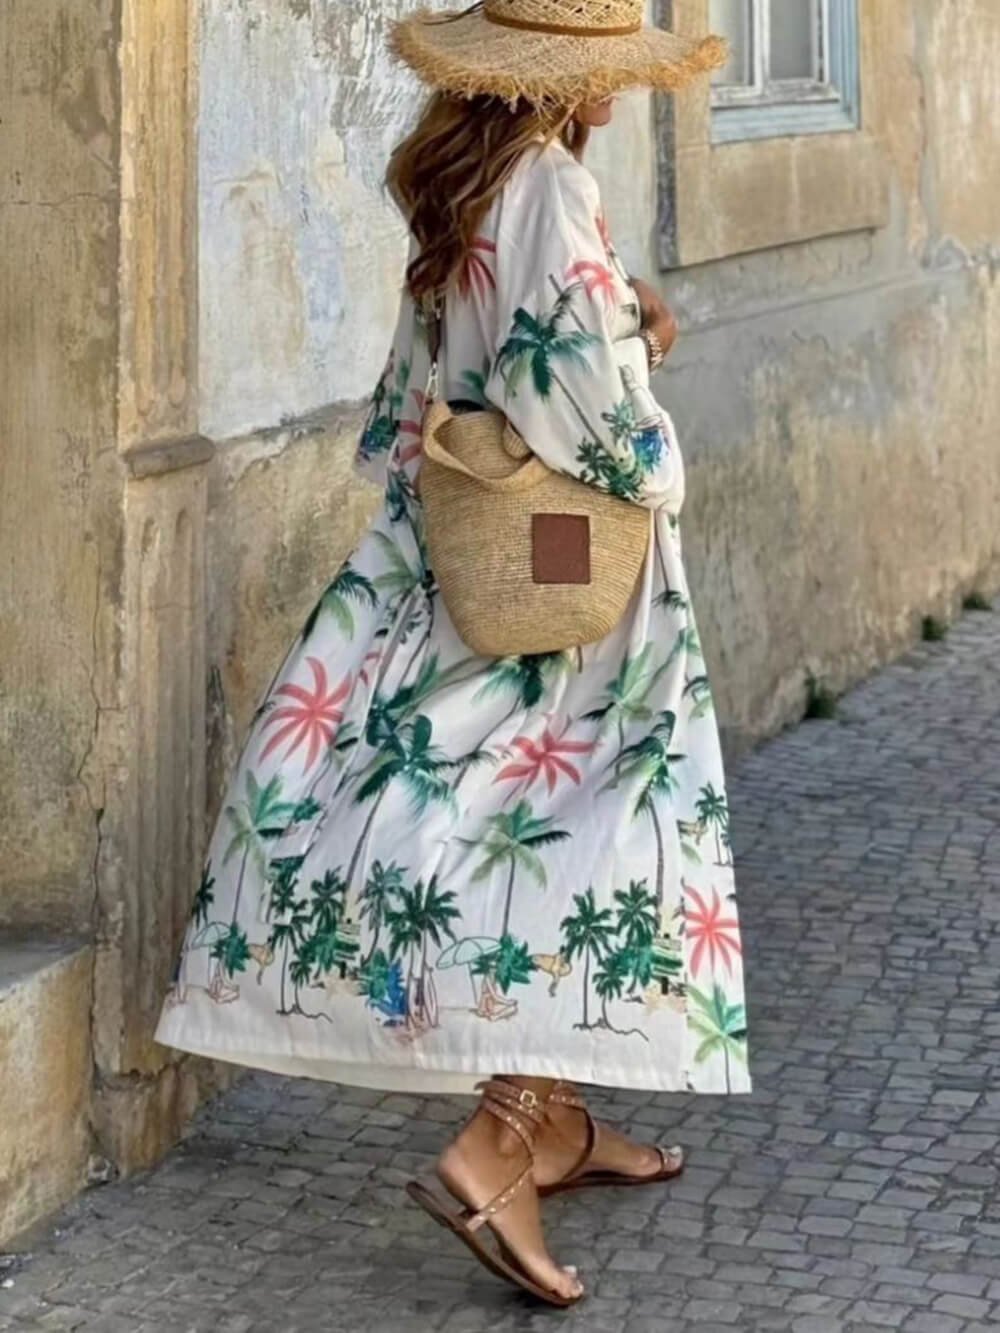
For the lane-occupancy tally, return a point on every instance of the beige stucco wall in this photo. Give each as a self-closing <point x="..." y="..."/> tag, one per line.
<point x="57" y="392"/>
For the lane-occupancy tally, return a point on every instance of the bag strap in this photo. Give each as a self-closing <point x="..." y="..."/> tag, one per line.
<point x="432" y="306"/>
<point x="529" y="474"/>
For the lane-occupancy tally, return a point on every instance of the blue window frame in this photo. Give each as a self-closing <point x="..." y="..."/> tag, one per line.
<point x="793" y="68"/>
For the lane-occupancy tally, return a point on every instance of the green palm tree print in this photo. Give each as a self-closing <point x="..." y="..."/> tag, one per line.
<point x="423" y="916"/>
<point x="348" y="587"/>
<point x="627" y="695"/>
<point x="386" y="405"/>
<point x="205" y="897"/>
<point x="610" y="980"/>
<point x="290" y="928"/>
<point x="330" y="947"/>
<point x="537" y="344"/>
<point x="721" y="1025"/>
<point x="587" y="935"/>
<point x="509" y="964"/>
<point x="262" y="815"/>
<point x="409" y="757"/>
<point x="650" y="763"/>
<point x="712" y="809"/>
<point x="515" y="840"/>
<point x="382" y="883"/>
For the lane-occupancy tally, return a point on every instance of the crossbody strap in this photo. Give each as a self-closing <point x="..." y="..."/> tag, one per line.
<point x="432" y="306"/>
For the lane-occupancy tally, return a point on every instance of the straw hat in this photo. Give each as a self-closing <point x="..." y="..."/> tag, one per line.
<point x="550" y="52"/>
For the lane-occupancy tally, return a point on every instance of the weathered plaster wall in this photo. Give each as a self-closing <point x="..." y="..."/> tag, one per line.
<point x="58" y="322"/>
<point x="835" y="399"/>
<point x="300" y="249"/>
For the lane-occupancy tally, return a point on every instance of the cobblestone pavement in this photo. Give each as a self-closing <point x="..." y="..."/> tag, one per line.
<point x="855" y="1189"/>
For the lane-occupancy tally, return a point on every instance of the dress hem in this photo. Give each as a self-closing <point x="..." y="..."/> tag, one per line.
<point x="428" y="1081"/>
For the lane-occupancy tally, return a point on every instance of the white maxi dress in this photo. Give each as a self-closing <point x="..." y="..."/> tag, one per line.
<point x="431" y="867"/>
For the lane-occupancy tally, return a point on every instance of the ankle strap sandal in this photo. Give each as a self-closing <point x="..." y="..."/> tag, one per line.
<point x="522" y="1111"/>
<point x="578" y="1177"/>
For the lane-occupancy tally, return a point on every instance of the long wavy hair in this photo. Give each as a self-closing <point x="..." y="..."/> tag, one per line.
<point x="446" y="174"/>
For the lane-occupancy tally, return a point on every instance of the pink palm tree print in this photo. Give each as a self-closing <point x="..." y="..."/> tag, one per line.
<point x="314" y="717"/>
<point x="476" y="271"/>
<point x="714" y="935"/>
<point x="543" y="759"/>
<point x="596" y="278"/>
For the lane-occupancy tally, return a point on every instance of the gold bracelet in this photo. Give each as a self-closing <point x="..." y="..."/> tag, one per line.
<point x="654" y="348"/>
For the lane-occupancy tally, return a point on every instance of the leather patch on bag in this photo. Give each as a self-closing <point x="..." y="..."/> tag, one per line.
<point x="560" y="548"/>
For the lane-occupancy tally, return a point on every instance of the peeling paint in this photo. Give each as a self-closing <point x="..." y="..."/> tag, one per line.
<point x="300" y="107"/>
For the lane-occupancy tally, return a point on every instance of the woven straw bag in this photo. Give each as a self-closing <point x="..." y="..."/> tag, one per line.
<point x="527" y="560"/>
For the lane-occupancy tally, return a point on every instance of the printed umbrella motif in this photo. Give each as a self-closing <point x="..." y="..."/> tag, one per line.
<point x="466" y="953"/>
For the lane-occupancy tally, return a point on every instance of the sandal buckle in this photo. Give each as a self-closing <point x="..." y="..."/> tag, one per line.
<point x="528" y="1099"/>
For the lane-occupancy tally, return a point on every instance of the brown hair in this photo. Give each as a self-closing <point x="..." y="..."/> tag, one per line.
<point x="446" y="174"/>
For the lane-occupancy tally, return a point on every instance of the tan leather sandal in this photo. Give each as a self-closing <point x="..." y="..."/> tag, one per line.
<point x="524" y="1112"/>
<point x="578" y="1177"/>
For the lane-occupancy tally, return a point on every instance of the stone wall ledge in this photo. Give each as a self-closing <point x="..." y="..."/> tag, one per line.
<point x="45" y="1069"/>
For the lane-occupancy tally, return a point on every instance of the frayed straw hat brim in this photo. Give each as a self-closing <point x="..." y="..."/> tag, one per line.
<point x="470" y="55"/>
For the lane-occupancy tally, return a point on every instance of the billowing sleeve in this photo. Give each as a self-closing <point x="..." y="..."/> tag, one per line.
<point x="579" y="397"/>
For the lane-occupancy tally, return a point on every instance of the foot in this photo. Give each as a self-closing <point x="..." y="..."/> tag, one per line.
<point x="563" y="1139"/>
<point x="479" y="1164"/>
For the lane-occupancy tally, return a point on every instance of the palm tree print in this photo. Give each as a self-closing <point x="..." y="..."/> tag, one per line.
<point x="381" y="983"/>
<point x="527" y="679"/>
<point x="597" y="280"/>
<point x="314" y="717"/>
<point x="204" y="897"/>
<point x="383" y="415"/>
<point x="348" y="587"/>
<point x="423" y="915"/>
<point x="509" y="964"/>
<point x="380" y="886"/>
<point x="537" y="344"/>
<point x="544" y="759"/>
<point x="399" y="577"/>
<point x="698" y="689"/>
<point x="411" y="758"/>
<point x="232" y="950"/>
<point x="713" y="811"/>
<point x="329" y="947"/>
<point x="610" y="980"/>
<point x="473" y="383"/>
<point x="600" y="468"/>
<point x="714" y="936"/>
<point x="289" y="930"/>
<point x="621" y="419"/>
<point x="650" y="764"/>
<point x="721" y="1025"/>
<point x="515" y="840"/>
<point x="262" y="815"/>
<point x="628" y="694"/>
<point x="637" y="923"/>
<point x="587" y="935"/>
<point x="476" y="272"/>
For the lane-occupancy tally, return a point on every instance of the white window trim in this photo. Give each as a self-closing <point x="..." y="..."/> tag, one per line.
<point x="768" y="109"/>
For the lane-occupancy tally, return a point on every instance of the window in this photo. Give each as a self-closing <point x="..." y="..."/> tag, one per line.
<point x="793" y="68"/>
<point x="756" y="158"/>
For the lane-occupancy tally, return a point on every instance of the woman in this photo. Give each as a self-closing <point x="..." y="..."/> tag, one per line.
<point x="434" y="869"/>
